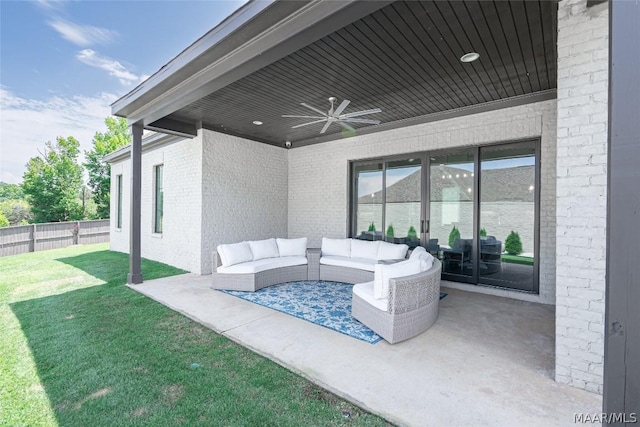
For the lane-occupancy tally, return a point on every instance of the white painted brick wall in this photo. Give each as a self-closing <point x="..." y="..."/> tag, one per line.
<point x="581" y="193"/>
<point x="245" y="192"/>
<point x="318" y="174"/>
<point x="179" y="244"/>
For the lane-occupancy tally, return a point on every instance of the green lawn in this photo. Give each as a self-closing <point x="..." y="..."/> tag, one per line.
<point x="78" y="348"/>
<point x="517" y="259"/>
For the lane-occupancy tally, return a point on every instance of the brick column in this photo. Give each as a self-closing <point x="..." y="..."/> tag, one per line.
<point x="581" y="198"/>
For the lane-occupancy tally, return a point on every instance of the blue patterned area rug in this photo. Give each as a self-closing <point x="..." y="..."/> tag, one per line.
<point x="326" y="304"/>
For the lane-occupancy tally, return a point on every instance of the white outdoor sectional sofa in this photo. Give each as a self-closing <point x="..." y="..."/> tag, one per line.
<point x="253" y="265"/>
<point x="394" y="296"/>
<point x="353" y="260"/>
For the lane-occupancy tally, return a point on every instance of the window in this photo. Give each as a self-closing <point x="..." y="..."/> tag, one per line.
<point x="119" y="201"/>
<point x="158" y="199"/>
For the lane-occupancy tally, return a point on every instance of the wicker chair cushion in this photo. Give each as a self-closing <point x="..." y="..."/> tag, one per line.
<point x="359" y="263"/>
<point x="252" y="267"/>
<point x="383" y="273"/>
<point x="365" y="291"/>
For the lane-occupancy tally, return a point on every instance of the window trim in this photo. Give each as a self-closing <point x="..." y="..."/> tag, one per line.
<point x="119" y="197"/>
<point x="158" y="214"/>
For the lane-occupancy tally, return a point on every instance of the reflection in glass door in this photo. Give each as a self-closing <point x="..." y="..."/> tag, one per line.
<point x="368" y="201"/>
<point x="451" y="203"/>
<point x="403" y="196"/>
<point x="507" y="216"/>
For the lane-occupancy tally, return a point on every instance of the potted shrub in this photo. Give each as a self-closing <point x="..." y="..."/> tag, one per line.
<point x="453" y="236"/>
<point x="483" y="233"/>
<point x="412" y="237"/>
<point x="391" y="235"/>
<point x="369" y="234"/>
<point x="513" y="244"/>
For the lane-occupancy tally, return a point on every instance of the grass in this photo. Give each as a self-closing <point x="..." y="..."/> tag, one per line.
<point x="78" y="348"/>
<point x="517" y="259"/>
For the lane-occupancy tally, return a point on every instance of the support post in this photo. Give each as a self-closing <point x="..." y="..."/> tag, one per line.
<point x="135" y="269"/>
<point x="622" y="336"/>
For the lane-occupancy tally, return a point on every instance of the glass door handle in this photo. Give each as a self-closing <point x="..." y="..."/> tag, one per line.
<point x="422" y="226"/>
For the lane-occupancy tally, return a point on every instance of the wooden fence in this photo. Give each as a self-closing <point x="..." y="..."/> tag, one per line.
<point x="40" y="237"/>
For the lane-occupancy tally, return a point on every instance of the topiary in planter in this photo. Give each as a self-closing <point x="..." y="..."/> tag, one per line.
<point x="390" y="232"/>
<point x="455" y="234"/>
<point x="513" y="244"/>
<point x="412" y="233"/>
<point x="372" y="227"/>
<point x="483" y="232"/>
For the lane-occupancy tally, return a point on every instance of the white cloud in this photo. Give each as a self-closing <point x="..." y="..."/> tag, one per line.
<point x="116" y="69"/>
<point x="83" y="35"/>
<point x="27" y="124"/>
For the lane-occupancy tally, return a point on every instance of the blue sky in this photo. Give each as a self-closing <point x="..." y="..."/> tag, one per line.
<point x="62" y="63"/>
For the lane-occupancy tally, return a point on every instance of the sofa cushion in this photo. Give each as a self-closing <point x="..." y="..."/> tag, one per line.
<point x="364" y="249"/>
<point x="425" y="258"/>
<point x="264" y="248"/>
<point x="365" y="291"/>
<point x="292" y="247"/>
<point x="263" y="265"/>
<point x="388" y="250"/>
<point x="339" y="261"/>
<point x="235" y="253"/>
<point x="415" y="253"/>
<point x="384" y="272"/>
<point x="336" y="247"/>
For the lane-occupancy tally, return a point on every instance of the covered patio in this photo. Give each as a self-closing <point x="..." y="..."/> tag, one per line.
<point x="487" y="360"/>
<point x="236" y="168"/>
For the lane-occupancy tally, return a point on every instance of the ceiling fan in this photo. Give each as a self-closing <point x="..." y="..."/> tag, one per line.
<point x="336" y="116"/>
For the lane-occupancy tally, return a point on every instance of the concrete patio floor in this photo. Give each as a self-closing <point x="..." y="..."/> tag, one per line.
<point x="487" y="361"/>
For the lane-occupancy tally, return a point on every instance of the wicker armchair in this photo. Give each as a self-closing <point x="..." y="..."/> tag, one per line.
<point x="412" y="308"/>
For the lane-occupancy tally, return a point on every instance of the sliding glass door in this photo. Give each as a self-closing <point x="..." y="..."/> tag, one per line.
<point x="451" y="205"/>
<point x="508" y="216"/>
<point x="403" y="201"/>
<point x="367" y="201"/>
<point x="476" y="209"/>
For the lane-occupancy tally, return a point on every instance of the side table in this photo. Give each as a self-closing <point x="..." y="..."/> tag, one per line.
<point x="313" y="263"/>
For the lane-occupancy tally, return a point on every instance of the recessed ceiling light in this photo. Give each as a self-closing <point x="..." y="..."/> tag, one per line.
<point x="469" y="57"/>
<point x="257" y="122"/>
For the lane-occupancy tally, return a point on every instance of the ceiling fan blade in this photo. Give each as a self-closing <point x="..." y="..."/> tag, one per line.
<point x="341" y="108"/>
<point x="313" y="108"/>
<point x="306" y="124"/>
<point x="367" y="121"/>
<point x="324" y="129"/>
<point x="346" y="126"/>
<point x="306" y="117"/>
<point x="360" y="113"/>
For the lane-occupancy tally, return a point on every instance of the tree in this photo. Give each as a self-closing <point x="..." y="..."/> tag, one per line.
<point x="117" y="136"/>
<point x="3" y="221"/>
<point x="16" y="211"/>
<point x="10" y="192"/>
<point x="53" y="181"/>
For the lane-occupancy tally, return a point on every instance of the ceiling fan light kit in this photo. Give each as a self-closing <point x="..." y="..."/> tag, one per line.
<point x="334" y="115"/>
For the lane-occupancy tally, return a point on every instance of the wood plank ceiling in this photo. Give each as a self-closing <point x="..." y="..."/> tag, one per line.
<point x="403" y="59"/>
